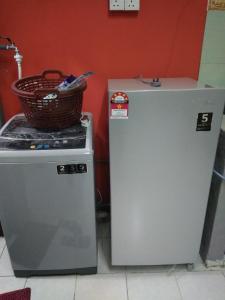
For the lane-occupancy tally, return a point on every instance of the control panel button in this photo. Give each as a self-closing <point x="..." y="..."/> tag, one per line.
<point x="72" y="169"/>
<point x="62" y="169"/>
<point x="81" y="168"/>
<point x="56" y="144"/>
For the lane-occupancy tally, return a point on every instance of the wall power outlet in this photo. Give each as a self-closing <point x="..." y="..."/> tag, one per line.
<point x="132" y="4"/>
<point x="116" y="5"/>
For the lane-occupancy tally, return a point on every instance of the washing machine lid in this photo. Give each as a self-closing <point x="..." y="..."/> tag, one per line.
<point x="19" y="135"/>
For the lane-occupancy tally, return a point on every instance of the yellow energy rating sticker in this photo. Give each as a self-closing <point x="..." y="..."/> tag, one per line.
<point x="217" y="4"/>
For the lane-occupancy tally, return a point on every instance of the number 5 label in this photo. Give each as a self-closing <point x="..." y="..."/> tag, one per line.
<point x="204" y="121"/>
<point x="205" y="117"/>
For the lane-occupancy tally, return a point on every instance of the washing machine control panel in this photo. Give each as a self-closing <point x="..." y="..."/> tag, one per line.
<point x="43" y="145"/>
<point x="55" y="144"/>
<point x="71" y="169"/>
<point x="19" y="135"/>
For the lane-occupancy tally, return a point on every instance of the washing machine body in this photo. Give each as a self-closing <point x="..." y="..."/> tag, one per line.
<point x="47" y="203"/>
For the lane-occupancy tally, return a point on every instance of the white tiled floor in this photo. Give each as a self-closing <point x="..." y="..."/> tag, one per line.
<point x="52" y="287"/>
<point x="152" y="287"/>
<point x="124" y="283"/>
<point x="5" y="264"/>
<point x="107" y="287"/>
<point x="11" y="283"/>
<point x="202" y="285"/>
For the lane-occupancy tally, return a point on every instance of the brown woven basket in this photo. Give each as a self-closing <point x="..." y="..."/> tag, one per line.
<point x="63" y="110"/>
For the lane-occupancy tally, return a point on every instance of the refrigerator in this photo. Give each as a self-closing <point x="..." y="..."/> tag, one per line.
<point x="213" y="239"/>
<point x="162" y="140"/>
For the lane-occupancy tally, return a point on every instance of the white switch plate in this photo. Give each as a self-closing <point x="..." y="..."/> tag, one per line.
<point x="116" y="5"/>
<point x="132" y="4"/>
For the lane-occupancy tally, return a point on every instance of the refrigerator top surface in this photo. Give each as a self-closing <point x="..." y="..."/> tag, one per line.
<point x="144" y="84"/>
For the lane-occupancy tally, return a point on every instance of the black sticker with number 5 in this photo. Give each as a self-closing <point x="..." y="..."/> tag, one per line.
<point x="204" y="121"/>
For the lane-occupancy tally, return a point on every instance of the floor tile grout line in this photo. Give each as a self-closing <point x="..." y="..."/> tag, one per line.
<point x="25" y="283"/>
<point x="127" y="285"/>
<point x="75" y="287"/>
<point x="3" y="250"/>
<point x="178" y="286"/>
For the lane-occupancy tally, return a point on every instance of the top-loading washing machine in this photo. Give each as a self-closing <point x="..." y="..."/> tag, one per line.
<point x="47" y="198"/>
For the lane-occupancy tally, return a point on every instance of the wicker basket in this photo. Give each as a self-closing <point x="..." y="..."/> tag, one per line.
<point x="44" y="106"/>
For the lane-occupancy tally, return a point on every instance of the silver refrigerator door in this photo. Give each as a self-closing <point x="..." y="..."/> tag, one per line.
<point x="160" y="172"/>
<point x="48" y="219"/>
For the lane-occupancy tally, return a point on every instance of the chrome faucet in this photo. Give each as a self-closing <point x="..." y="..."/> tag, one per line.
<point x="18" y="57"/>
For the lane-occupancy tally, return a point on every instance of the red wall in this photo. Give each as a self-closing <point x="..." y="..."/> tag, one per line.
<point x="163" y="39"/>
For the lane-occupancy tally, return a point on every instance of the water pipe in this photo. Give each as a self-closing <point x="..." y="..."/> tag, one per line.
<point x="18" y="57"/>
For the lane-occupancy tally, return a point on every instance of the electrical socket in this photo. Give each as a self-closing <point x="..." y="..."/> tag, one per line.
<point x="116" y="4"/>
<point x="132" y="4"/>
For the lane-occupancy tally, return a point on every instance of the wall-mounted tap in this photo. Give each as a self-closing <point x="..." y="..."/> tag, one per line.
<point x="18" y="57"/>
<point x="7" y="47"/>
